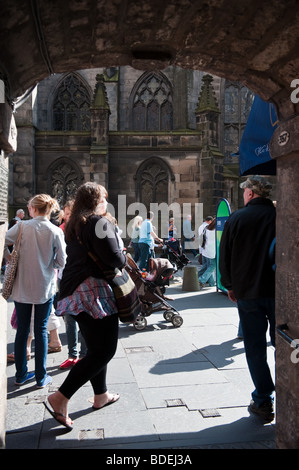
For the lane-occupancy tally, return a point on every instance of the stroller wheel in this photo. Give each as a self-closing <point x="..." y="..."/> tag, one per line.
<point x="140" y="323"/>
<point x="168" y="314"/>
<point x="177" y="320"/>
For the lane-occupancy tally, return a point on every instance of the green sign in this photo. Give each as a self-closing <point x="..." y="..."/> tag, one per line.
<point x="223" y="212"/>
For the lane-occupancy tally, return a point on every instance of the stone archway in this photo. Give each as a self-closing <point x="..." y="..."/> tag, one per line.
<point x="254" y="43"/>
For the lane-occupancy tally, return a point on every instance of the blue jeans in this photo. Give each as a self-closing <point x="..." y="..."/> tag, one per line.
<point x="41" y="316"/>
<point x="240" y="332"/>
<point x="136" y="251"/>
<point x="255" y="315"/>
<point x="145" y="253"/>
<point x="71" y="328"/>
<point x="203" y="267"/>
<point x="209" y="274"/>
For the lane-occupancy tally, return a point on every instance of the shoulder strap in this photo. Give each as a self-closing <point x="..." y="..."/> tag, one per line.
<point x="19" y="236"/>
<point x="204" y="237"/>
<point x="272" y="253"/>
<point x="106" y="272"/>
<point x="91" y="254"/>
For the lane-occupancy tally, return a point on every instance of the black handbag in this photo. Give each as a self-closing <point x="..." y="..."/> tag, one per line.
<point x="125" y="292"/>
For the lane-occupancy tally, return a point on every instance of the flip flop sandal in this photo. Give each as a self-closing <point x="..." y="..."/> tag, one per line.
<point x="115" y="398"/>
<point x="56" y="415"/>
<point x="11" y="357"/>
<point x="54" y="349"/>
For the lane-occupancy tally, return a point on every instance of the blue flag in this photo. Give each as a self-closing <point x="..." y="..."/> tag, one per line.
<point x="254" y="146"/>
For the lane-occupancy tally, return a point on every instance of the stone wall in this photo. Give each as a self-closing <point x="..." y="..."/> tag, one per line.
<point x="8" y="143"/>
<point x="3" y="305"/>
<point x="179" y="150"/>
<point x="52" y="146"/>
<point x="285" y="148"/>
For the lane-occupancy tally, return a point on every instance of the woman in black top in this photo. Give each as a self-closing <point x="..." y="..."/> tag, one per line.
<point x="89" y="298"/>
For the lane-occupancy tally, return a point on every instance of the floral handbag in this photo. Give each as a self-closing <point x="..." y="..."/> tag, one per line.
<point x="11" y="268"/>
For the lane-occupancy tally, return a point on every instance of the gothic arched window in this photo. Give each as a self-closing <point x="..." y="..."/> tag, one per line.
<point x="71" y="105"/>
<point x="152" y="181"/>
<point x="151" y="103"/>
<point x="237" y="104"/>
<point x="64" y="177"/>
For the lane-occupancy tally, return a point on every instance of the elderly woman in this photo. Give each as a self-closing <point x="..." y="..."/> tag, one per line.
<point x="42" y="250"/>
<point x="86" y="295"/>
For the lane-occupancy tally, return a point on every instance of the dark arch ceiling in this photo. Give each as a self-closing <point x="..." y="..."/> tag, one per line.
<point x="255" y="42"/>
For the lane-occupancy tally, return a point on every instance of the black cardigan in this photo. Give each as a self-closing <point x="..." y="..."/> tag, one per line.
<point x="79" y="265"/>
<point x="244" y="262"/>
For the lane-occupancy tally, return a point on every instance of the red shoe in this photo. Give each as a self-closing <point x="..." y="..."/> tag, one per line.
<point x="68" y="363"/>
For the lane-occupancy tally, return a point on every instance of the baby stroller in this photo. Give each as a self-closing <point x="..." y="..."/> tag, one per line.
<point x="151" y="289"/>
<point x="172" y="250"/>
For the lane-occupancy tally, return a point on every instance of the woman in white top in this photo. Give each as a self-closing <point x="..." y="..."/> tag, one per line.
<point x="42" y="250"/>
<point x="137" y="221"/>
<point x="209" y="256"/>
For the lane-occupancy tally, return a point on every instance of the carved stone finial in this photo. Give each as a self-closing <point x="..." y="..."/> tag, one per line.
<point x="207" y="100"/>
<point x="100" y="99"/>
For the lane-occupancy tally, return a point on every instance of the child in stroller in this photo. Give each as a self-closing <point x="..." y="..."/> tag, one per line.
<point x="172" y="250"/>
<point x="151" y="290"/>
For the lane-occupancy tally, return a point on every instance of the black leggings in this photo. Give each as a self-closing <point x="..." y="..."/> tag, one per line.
<point x="101" y="340"/>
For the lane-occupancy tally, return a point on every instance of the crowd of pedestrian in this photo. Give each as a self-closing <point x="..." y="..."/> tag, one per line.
<point x="56" y="277"/>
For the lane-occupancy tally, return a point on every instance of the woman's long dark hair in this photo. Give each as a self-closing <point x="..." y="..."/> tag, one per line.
<point x="88" y="197"/>
<point x="212" y="225"/>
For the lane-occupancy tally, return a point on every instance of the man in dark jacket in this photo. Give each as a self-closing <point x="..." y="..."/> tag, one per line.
<point x="247" y="274"/>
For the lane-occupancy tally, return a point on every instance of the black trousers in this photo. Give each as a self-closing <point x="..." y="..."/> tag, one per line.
<point x="101" y="340"/>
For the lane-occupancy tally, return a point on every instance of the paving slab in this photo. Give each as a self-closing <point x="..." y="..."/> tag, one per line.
<point x="232" y="425"/>
<point x="195" y="397"/>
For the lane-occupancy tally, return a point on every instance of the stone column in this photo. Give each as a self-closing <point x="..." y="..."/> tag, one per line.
<point x="8" y="144"/>
<point x="284" y="148"/>
<point x="211" y="160"/>
<point x="99" y="134"/>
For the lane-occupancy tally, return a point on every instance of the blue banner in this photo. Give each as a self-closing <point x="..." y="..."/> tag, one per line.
<point x="254" y="146"/>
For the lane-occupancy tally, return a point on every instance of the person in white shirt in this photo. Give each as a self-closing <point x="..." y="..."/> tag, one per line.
<point x="42" y="250"/>
<point x="209" y="256"/>
<point x="201" y="228"/>
<point x="137" y="221"/>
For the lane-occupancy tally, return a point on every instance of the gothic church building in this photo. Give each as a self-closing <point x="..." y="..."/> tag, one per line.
<point x="164" y="136"/>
